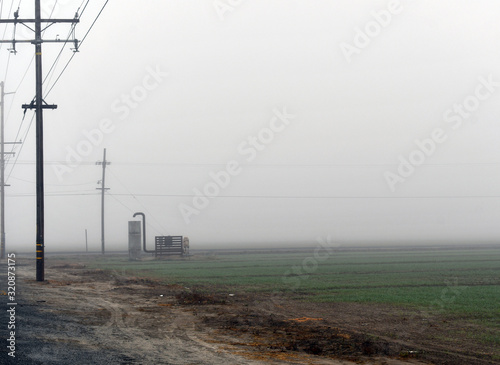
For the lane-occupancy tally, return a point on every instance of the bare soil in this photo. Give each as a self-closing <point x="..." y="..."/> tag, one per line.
<point x="85" y="316"/>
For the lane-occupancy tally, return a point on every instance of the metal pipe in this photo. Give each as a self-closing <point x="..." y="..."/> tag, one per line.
<point x="143" y="231"/>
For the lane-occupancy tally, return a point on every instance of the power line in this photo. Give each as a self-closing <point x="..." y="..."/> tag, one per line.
<point x="21" y="148"/>
<point x="10" y="53"/>
<point x="119" y="201"/>
<point x="315" y="197"/>
<point x="39" y="105"/>
<point x="132" y="211"/>
<point x="2" y="169"/>
<point x="81" y="42"/>
<point x="270" y="196"/>
<point x="33" y="182"/>
<point x="146" y="209"/>
<point x="71" y="31"/>
<point x="187" y="164"/>
<point x="8" y="16"/>
<point x="20" y="127"/>
<point x="7" y="67"/>
<point x="27" y="69"/>
<point x="28" y="195"/>
<point x="18" y="86"/>
<point x="22" y="121"/>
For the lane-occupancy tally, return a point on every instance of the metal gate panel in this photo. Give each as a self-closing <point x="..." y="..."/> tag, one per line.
<point x="168" y="245"/>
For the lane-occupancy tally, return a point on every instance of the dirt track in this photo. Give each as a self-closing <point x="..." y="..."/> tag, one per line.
<point x="91" y="317"/>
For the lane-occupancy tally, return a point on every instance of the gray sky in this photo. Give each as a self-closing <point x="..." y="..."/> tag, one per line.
<point x="370" y="121"/>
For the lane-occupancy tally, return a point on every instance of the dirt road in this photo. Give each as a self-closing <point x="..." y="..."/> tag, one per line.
<point x="82" y="316"/>
<point x="70" y="319"/>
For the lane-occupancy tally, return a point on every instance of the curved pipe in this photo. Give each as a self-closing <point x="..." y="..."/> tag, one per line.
<point x="143" y="231"/>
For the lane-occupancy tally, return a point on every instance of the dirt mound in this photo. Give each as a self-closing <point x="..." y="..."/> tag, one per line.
<point x="271" y="332"/>
<point x="195" y="298"/>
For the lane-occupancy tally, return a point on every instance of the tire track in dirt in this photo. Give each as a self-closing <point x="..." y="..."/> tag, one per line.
<point x="91" y="317"/>
<point x="93" y="322"/>
<point x="182" y="345"/>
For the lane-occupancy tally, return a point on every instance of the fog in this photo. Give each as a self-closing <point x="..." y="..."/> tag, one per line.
<point x="261" y="123"/>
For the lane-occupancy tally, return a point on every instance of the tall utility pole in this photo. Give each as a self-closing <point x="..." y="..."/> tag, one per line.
<point x="2" y="170"/>
<point x="103" y="190"/>
<point x="38" y="104"/>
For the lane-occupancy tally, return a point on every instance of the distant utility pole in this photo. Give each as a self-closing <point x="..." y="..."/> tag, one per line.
<point x="2" y="170"/>
<point x="38" y="104"/>
<point x="103" y="190"/>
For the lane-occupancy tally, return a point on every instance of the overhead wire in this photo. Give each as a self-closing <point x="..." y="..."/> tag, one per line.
<point x="7" y="66"/>
<point x="22" y="79"/>
<point x="135" y="197"/>
<point x="71" y="31"/>
<point x="47" y="184"/>
<point x="55" y="82"/>
<point x="21" y="148"/>
<point x="320" y="197"/>
<point x="119" y="201"/>
<point x="80" y="44"/>
<point x="5" y="30"/>
<point x="29" y="195"/>
<point x="83" y="192"/>
<point x="148" y="224"/>
<point x="188" y="195"/>
<point x="22" y="121"/>
<point x="3" y="36"/>
<point x="132" y="211"/>
<point x="304" y="165"/>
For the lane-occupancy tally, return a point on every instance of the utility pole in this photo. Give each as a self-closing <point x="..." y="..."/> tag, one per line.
<point x="2" y="176"/>
<point x="2" y="169"/>
<point x="38" y="104"/>
<point x="103" y="190"/>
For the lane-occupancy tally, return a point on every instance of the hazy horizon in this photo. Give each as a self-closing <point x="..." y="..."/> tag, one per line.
<point x="261" y="122"/>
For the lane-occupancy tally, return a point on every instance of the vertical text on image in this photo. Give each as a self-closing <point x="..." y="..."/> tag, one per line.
<point x="11" y="304"/>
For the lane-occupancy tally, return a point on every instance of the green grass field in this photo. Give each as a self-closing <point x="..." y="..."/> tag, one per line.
<point x="463" y="282"/>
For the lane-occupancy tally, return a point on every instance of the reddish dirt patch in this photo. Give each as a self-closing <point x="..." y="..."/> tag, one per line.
<point x="314" y="336"/>
<point x="351" y="331"/>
